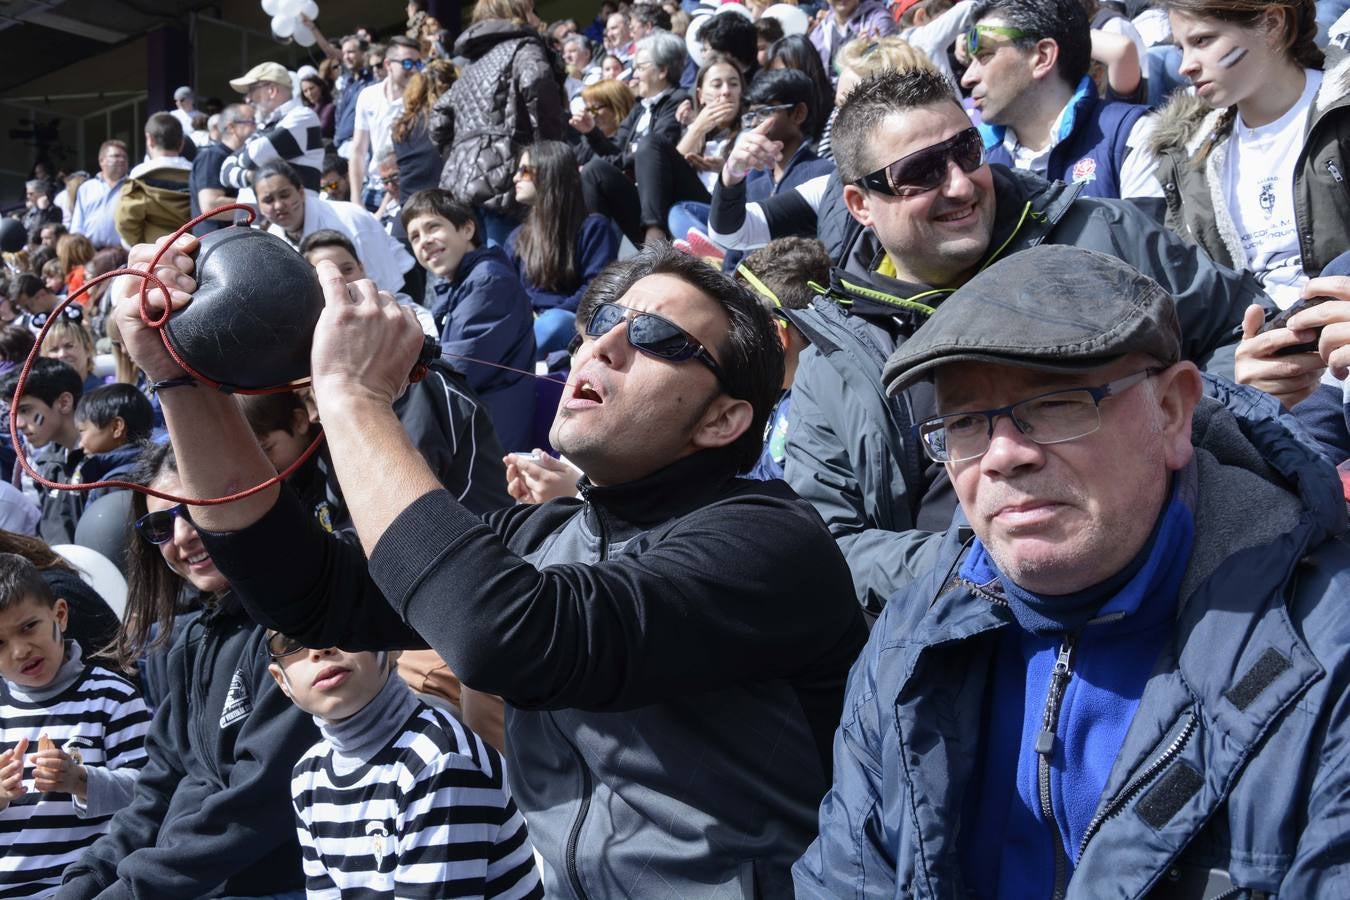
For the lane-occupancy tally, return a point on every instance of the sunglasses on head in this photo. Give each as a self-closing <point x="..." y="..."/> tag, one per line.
<point x="280" y="646"/>
<point x="74" y="313"/>
<point x="157" y="527"/>
<point x="974" y="45"/>
<point x="653" y="335"/>
<point x="925" y="169"/>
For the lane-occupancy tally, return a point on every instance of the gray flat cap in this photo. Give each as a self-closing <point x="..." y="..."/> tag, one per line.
<point x="1054" y="308"/>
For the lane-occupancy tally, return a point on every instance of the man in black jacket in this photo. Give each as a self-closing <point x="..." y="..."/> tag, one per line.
<point x="672" y="646"/>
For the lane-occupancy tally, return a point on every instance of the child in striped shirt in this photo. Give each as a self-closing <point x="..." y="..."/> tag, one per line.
<point x="86" y="723"/>
<point x="398" y="799"/>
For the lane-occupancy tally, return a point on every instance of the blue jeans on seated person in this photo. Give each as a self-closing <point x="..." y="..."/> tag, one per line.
<point x="553" y="329"/>
<point x="685" y="215"/>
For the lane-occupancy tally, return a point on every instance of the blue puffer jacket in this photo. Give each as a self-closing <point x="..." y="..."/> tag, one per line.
<point x="1235" y="772"/>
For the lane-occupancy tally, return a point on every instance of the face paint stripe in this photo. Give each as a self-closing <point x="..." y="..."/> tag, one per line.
<point x="1233" y="57"/>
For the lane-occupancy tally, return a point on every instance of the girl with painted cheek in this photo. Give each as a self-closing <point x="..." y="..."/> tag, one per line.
<point x="1253" y="164"/>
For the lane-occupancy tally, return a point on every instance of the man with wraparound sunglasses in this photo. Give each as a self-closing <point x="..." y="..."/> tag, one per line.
<point x="935" y="213"/>
<point x="1114" y="679"/>
<point x="672" y="645"/>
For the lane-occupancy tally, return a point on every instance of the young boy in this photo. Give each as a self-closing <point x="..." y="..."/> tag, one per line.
<point x="398" y="798"/>
<point x="781" y="272"/>
<point x="113" y="422"/>
<point x="86" y="723"/>
<point x="46" y="416"/>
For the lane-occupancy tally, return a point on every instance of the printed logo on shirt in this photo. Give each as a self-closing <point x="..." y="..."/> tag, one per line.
<point x="237" y="702"/>
<point x="1085" y="170"/>
<point x="324" y="513"/>
<point x="381" y="845"/>
<point x="1267" y="197"/>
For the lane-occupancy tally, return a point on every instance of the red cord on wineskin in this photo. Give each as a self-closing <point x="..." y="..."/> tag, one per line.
<point x="150" y="280"/>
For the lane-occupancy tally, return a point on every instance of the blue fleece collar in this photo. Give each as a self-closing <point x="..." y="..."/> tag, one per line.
<point x="994" y="135"/>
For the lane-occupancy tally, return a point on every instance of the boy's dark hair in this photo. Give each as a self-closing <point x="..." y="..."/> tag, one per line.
<point x="20" y="580"/>
<point x="282" y="168"/>
<point x="333" y="163"/>
<point x="870" y="103"/>
<point x="436" y="202"/>
<point x="785" y="266"/>
<point x="769" y="29"/>
<point x="733" y="35"/>
<point x="47" y="381"/>
<point x="402" y="40"/>
<point x="15" y="344"/>
<point x="1063" y="21"/>
<point x="24" y="286"/>
<point x="751" y="357"/>
<point x="103" y="404"/>
<point x="327" y="237"/>
<point x="271" y="412"/>
<point x="165" y="130"/>
<point x="776" y="86"/>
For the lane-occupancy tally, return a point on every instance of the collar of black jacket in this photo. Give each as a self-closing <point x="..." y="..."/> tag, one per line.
<point x="665" y="494"/>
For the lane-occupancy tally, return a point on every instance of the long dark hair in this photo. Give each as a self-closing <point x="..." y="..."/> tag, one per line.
<point x="547" y="245"/>
<point x="796" y="52"/>
<point x="153" y="589"/>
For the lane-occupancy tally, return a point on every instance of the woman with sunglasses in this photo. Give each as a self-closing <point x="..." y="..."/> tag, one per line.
<point x="508" y="96"/>
<point x="211" y="815"/>
<point x="560" y="247"/>
<point x="1254" y="166"/>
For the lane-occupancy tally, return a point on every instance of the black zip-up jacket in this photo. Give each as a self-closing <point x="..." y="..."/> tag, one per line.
<point x="672" y="650"/>
<point x="212" y="811"/>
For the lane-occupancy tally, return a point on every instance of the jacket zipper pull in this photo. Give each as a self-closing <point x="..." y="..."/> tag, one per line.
<point x="1059" y="680"/>
<point x="1335" y="172"/>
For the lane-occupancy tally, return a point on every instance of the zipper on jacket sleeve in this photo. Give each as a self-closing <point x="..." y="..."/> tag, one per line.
<point x="1045" y="751"/>
<point x="1139" y="783"/>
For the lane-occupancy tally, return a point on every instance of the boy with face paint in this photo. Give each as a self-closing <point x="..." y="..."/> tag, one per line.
<point x="358" y="834"/>
<point x="91" y="721"/>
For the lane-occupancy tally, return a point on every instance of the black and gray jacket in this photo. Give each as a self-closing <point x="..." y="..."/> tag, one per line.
<point x="672" y="652"/>
<point x="850" y="451"/>
<point x="211" y="815"/>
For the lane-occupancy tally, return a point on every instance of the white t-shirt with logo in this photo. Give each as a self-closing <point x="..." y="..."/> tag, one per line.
<point x="1259" y="189"/>
<point x="376" y="115"/>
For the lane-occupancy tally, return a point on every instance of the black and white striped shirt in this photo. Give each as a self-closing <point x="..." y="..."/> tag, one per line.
<point x="102" y="715"/>
<point x="430" y="815"/>
<point x="292" y="135"/>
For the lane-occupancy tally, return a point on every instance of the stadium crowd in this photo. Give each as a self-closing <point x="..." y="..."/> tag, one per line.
<point x="879" y="448"/>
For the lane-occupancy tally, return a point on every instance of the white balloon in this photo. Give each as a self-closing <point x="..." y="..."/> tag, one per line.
<point x="292" y="8"/>
<point x="303" y="36"/>
<point x="283" y="26"/>
<point x="691" y="41"/>
<point x="271" y="7"/>
<point x="793" y="19"/>
<point x="310" y="9"/>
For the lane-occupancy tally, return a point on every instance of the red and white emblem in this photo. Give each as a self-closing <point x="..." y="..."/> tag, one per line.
<point x="1085" y="170"/>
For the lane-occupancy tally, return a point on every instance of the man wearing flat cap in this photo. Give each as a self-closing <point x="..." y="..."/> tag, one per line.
<point x="288" y="131"/>
<point x="1125" y="675"/>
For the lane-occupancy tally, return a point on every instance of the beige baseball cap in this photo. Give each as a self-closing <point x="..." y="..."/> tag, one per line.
<point x="269" y="71"/>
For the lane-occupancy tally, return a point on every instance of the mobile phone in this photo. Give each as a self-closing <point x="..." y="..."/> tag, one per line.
<point x="1281" y="320"/>
<point x="525" y="455"/>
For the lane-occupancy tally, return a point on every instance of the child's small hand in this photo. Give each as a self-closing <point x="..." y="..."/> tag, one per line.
<point x="11" y="773"/>
<point x="56" y="772"/>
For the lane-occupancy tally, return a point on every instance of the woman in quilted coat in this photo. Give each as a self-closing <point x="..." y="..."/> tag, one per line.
<point x="508" y="96"/>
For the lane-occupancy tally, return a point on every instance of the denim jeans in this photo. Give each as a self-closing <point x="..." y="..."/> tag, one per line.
<point x="688" y="214"/>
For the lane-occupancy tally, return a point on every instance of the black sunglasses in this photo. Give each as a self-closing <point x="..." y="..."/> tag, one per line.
<point x="653" y="335"/>
<point x="925" y="169"/>
<point x="74" y="312"/>
<point x="280" y="646"/>
<point x="157" y="527"/>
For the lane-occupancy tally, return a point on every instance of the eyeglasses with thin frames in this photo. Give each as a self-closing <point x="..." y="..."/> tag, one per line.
<point x="754" y="117"/>
<point x="1056" y="417"/>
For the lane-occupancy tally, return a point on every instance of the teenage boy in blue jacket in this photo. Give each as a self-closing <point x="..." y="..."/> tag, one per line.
<point x="1129" y="669"/>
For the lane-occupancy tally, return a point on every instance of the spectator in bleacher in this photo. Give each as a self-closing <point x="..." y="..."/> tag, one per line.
<point x="559" y="248"/>
<point x="579" y="59"/>
<point x="733" y="35"/>
<point x="508" y="96"/>
<point x="849" y="19"/>
<point x="74" y="251"/>
<point x="378" y="107"/>
<point x="712" y="117"/>
<point x="50" y="233"/>
<point x="419" y="159"/>
<point x="618" y="41"/>
<point x="355" y="77"/>
<point x="768" y="31"/>
<point x="38" y="209"/>
<point x="1028" y="77"/>
<point x="96" y="199"/>
<point x="318" y="96"/>
<point x="184" y="105"/>
<point x="155" y="199"/>
<point x="333" y="179"/>
<point x="795" y="52"/>
<point x="295" y="212"/>
<point x="205" y="187"/>
<point x="644" y="18"/>
<point x="288" y="131"/>
<point x="608" y="102"/>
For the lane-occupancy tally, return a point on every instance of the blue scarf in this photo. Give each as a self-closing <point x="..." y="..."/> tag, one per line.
<point x="1121" y="627"/>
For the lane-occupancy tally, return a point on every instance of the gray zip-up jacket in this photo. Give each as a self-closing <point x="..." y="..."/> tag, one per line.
<point x="850" y="451"/>
<point x="1232" y="780"/>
